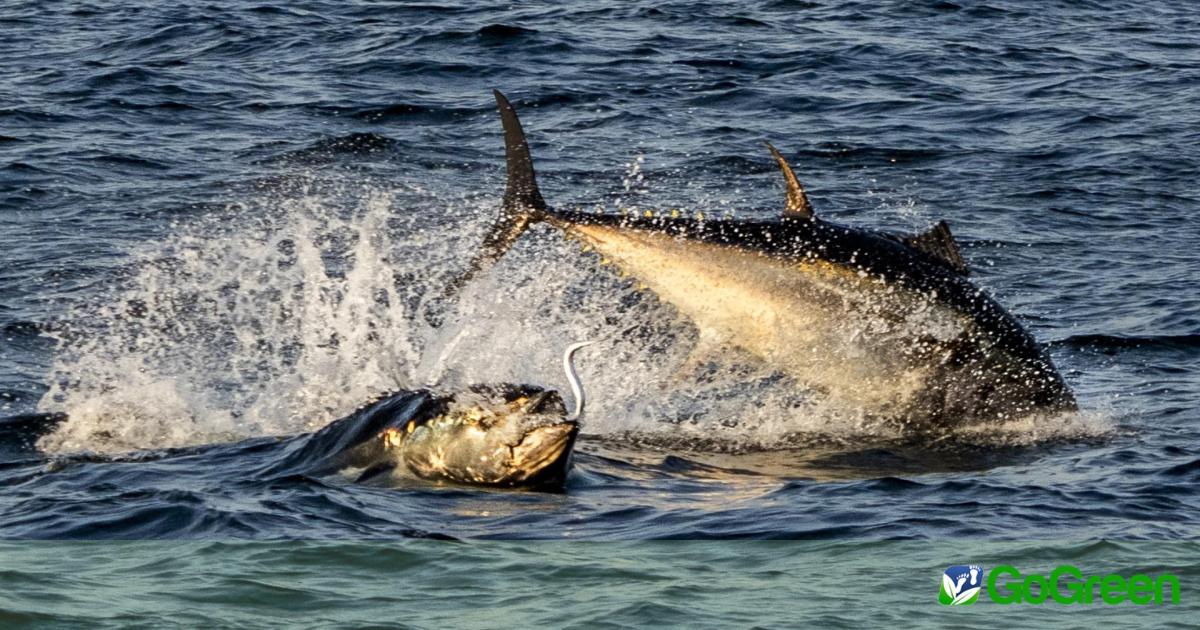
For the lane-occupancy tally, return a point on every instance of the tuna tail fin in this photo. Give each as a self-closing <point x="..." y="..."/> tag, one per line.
<point x="523" y="203"/>
<point x="521" y="193"/>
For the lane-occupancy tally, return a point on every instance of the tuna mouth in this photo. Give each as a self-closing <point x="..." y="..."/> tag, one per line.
<point x="544" y="453"/>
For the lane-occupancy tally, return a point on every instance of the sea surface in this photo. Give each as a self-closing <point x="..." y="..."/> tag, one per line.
<point x="222" y="224"/>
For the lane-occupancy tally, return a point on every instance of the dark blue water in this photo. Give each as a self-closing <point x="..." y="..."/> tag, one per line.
<point x="222" y="223"/>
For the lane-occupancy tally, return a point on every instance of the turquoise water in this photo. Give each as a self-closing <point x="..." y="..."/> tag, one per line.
<point x="430" y="584"/>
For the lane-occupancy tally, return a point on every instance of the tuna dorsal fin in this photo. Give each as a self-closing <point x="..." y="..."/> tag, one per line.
<point x="797" y="201"/>
<point x="938" y="242"/>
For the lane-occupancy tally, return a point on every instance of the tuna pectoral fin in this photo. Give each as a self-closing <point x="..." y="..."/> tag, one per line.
<point x="523" y="203"/>
<point x="939" y="243"/>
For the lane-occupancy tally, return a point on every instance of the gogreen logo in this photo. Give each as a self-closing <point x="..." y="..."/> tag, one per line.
<point x="1066" y="584"/>
<point x="961" y="585"/>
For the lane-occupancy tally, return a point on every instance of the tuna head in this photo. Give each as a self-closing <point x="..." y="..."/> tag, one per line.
<point x="494" y="435"/>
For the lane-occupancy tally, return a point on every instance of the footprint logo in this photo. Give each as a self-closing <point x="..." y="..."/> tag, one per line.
<point x="961" y="585"/>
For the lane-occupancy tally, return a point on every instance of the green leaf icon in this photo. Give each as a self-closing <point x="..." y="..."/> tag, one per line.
<point x="946" y="596"/>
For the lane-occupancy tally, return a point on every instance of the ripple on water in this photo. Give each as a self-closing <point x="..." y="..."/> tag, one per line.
<point x="225" y="223"/>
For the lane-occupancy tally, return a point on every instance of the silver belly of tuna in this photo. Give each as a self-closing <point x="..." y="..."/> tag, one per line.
<point x="862" y="341"/>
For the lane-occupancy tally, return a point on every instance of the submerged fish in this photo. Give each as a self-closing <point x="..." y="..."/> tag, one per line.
<point x="500" y="435"/>
<point x="886" y="323"/>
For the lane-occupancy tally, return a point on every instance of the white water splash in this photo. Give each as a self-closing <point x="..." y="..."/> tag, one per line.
<point x="263" y="319"/>
<point x="282" y="315"/>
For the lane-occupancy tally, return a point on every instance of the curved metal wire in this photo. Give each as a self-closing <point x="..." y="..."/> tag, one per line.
<point x="573" y="378"/>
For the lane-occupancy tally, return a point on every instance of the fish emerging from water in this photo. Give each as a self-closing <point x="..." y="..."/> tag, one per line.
<point x="886" y="323"/>
<point x="500" y="435"/>
<point x="496" y="435"/>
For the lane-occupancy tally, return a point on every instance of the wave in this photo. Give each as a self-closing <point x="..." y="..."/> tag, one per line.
<point x="130" y="161"/>
<point x="741" y="163"/>
<point x="405" y="111"/>
<point x="24" y="329"/>
<point x="169" y="105"/>
<point x="491" y="35"/>
<point x="329" y="149"/>
<point x="503" y="32"/>
<point x="134" y="76"/>
<point x="1123" y="342"/>
<point x="20" y="433"/>
<point x="1191" y="470"/>
<point x="22" y="167"/>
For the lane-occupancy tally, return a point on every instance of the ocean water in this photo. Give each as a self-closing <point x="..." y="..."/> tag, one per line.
<point x="225" y="224"/>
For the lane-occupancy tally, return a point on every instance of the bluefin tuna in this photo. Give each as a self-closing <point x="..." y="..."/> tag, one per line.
<point x="887" y="323"/>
